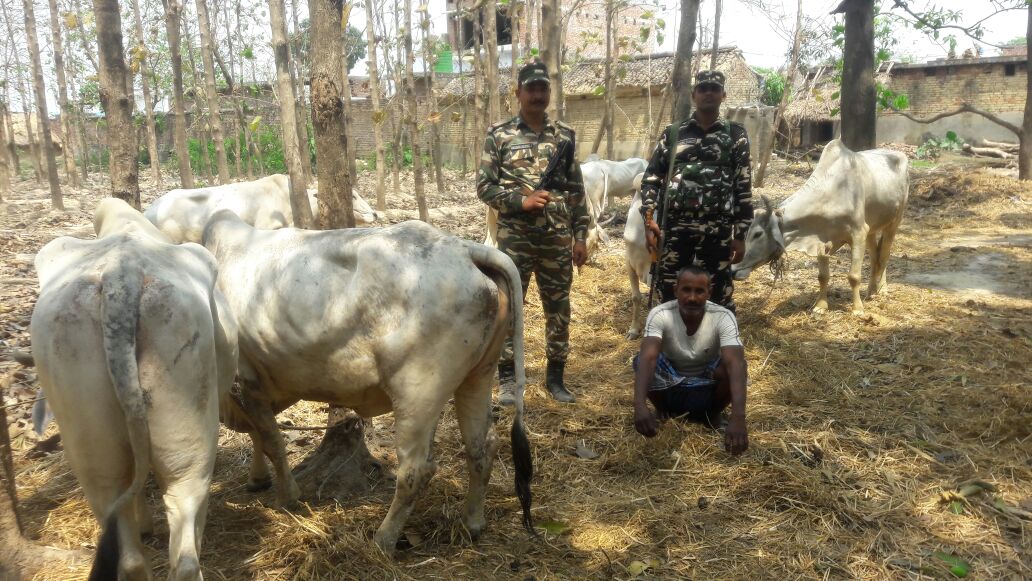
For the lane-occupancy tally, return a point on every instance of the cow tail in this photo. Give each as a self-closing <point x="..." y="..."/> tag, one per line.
<point x="105" y="562"/>
<point x="122" y="288"/>
<point x="522" y="460"/>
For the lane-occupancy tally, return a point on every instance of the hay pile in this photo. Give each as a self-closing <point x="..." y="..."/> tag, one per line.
<point x="860" y="428"/>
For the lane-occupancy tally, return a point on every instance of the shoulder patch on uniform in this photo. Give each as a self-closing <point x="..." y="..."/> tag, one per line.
<point x="499" y="125"/>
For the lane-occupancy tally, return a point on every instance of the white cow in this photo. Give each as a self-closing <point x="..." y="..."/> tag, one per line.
<point x="132" y="350"/>
<point x="605" y="179"/>
<point x="638" y="262"/>
<point x="263" y="203"/>
<point x="402" y="318"/>
<point x="854" y="198"/>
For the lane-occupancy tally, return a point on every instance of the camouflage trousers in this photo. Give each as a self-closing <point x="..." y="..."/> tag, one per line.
<point x="548" y="256"/>
<point x="708" y="248"/>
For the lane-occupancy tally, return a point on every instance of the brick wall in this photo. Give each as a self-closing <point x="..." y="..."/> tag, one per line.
<point x="939" y="89"/>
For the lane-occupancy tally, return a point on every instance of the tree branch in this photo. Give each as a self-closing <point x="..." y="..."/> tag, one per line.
<point x="968" y="31"/>
<point x="964" y="108"/>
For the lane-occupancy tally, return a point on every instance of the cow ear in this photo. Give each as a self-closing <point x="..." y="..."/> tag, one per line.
<point x="775" y="229"/>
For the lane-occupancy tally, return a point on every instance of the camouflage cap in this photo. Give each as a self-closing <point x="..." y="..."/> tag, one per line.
<point x="709" y="77"/>
<point x="534" y="71"/>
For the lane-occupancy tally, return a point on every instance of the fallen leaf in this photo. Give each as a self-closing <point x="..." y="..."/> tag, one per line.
<point x="584" y="452"/>
<point x="553" y="527"/>
<point x="959" y="567"/>
<point x="957" y="507"/>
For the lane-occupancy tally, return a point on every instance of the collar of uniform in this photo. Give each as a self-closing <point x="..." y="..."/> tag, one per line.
<point x="718" y="124"/>
<point x="549" y="126"/>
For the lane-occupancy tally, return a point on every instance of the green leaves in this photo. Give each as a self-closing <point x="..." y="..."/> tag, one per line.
<point x="554" y="527"/>
<point x="958" y="567"/>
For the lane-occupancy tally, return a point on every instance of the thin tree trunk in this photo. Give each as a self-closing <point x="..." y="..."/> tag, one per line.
<point x="460" y="50"/>
<point x="148" y="100"/>
<point x="397" y="113"/>
<point x="299" y="204"/>
<point x="378" y="114"/>
<point x="412" y="114"/>
<point x="302" y="110"/>
<point x="551" y="53"/>
<point x="610" y="78"/>
<point x="173" y="16"/>
<point x="761" y="172"/>
<point x="214" y="115"/>
<point x="480" y="122"/>
<point x="682" y="75"/>
<point x="5" y="166"/>
<point x="234" y="88"/>
<point x="490" y="24"/>
<point x="328" y="118"/>
<point x="716" y="36"/>
<point x="30" y="133"/>
<point x="345" y="84"/>
<point x="76" y="116"/>
<point x="1025" y="138"/>
<point x="117" y="103"/>
<point x="199" y="124"/>
<point x="858" y="101"/>
<point x="434" y="118"/>
<point x="515" y="13"/>
<point x="67" y="127"/>
<point x="12" y="148"/>
<point x="41" y="105"/>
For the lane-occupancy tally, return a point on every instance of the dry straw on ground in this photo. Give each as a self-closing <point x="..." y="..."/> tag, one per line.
<point x="858" y="424"/>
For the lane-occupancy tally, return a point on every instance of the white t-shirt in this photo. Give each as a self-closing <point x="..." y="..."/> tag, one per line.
<point x="690" y="354"/>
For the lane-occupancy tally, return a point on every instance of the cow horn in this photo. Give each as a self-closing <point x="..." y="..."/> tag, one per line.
<point x="766" y="203"/>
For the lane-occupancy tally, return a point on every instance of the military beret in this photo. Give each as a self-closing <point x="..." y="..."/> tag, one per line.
<point x="532" y="72"/>
<point x="709" y="77"/>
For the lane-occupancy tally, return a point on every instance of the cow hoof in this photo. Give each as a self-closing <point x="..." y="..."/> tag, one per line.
<point x="632" y="335"/>
<point x="259" y="485"/>
<point x="475" y="527"/>
<point x="819" y="310"/>
<point x="387" y="544"/>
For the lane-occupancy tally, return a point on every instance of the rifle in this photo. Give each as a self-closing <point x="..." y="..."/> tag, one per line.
<point x="657" y="255"/>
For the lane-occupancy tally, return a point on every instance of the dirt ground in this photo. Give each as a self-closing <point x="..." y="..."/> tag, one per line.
<point x="863" y="429"/>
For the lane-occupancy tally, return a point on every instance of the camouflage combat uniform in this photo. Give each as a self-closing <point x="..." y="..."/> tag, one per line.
<point x="538" y="242"/>
<point x="710" y="202"/>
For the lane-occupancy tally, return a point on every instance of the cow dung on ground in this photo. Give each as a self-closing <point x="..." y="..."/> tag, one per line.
<point x="928" y="391"/>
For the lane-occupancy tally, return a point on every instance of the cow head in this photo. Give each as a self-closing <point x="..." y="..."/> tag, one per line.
<point x="764" y="242"/>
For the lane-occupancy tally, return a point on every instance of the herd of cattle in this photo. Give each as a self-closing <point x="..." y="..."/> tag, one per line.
<point x="139" y="334"/>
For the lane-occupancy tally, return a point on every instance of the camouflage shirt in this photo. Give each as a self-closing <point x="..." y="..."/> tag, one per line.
<point x="513" y="160"/>
<point x="712" y="180"/>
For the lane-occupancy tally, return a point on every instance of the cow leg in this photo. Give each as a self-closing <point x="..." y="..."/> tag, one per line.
<point x="872" y="251"/>
<point x="473" y="410"/>
<point x="635" y="329"/>
<point x="823" y="276"/>
<point x="144" y="518"/>
<point x="414" y="422"/>
<point x="270" y="441"/>
<point x="186" y="503"/>
<point x="258" y="478"/>
<point x="856" y="250"/>
<point x="878" y="283"/>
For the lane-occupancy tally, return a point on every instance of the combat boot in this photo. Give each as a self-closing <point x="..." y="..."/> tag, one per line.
<point x="554" y="382"/>
<point x="507" y="383"/>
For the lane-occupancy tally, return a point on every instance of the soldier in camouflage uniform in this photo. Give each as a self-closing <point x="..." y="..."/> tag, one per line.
<point x="709" y="199"/>
<point x="537" y="227"/>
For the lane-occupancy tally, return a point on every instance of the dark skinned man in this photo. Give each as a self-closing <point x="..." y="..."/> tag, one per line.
<point x="543" y="231"/>
<point x="692" y="363"/>
<point x="709" y="197"/>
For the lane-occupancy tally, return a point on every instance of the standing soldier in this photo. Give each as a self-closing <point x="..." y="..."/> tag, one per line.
<point x="541" y="215"/>
<point x="708" y="201"/>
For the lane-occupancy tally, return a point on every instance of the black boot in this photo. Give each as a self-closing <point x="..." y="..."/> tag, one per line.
<point x="507" y="383"/>
<point x="554" y="382"/>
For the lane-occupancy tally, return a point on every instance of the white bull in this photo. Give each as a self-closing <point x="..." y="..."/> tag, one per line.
<point x="263" y="203"/>
<point x="854" y="198"/>
<point x="132" y="351"/>
<point x="638" y="262"/>
<point x="605" y="179"/>
<point x="400" y="318"/>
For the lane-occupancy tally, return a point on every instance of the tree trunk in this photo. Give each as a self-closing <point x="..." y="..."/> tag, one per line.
<point x="75" y="115"/>
<point x="199" y="124"/>
<point x="345" y="83"/>
<point x="786" y="95"/>
<point x="434" y="118"/>
<point x="41" y="105"/>
<point x="411" y="117"/>
<point x="117" y="103"/>
<point x="173" y="16"/>
<point x="299" y="204"/>
<point x="479" y="107"/>
<point x="460" y="48"/>
<point x="148" y="100"/>
<point x="302" y="110"/>
<point x="342" y="459"/>
<point x="490" y="24"/>
<point x="682" y="75"/>
<point x="5" y="166"/>
<point x="12" y="148"/>
<point x="67" y="127"/>
<point x="1025" y="139"/>
<point x="30" y="133"/>
<point x="716" y="36"/>
<point x="858" y="94"/>
<point x="397" y="112"/>
<point x="378" y="114"/>
<point x="610" y="79"/>
<point x="515" y="19"/>
<point x="328" y="119"/>
<point x="551" y="53"/>
<point x="214" y="115"/>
